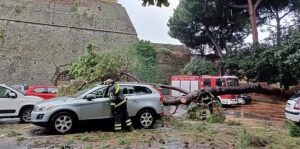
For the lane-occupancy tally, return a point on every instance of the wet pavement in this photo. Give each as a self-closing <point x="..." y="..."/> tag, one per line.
<point x="255" y="110"/>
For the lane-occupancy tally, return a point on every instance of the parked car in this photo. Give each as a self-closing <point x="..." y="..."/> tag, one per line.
<point x="45" y="92"/>
<point x="247" y="99"/>
<point x="14" y="103"/>
<point x="21" y="87"/>
<point x="292" y="109"/>
<point x="62" y="114"/>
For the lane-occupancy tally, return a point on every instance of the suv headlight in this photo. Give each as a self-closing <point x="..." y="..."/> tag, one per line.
<point x="45" y="108"/>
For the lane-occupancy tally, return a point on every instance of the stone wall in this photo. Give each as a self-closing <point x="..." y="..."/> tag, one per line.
<point x="41" y="38"/>
<point x="171" y="59"/>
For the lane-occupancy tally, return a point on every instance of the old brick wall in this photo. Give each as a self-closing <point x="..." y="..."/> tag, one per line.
<point x="39" y="38"/>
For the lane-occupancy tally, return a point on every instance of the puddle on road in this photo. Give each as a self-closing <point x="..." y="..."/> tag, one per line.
<point x="255" y="110"/>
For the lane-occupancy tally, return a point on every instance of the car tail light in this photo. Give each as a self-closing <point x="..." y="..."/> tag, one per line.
<point x="161" y="98"/>
<point x="297" y="105"/>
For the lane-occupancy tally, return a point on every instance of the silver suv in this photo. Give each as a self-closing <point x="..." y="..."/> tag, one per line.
<point x="63" y="113"/>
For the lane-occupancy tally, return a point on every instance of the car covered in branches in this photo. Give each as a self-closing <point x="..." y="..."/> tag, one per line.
<point x="62" y="114"/>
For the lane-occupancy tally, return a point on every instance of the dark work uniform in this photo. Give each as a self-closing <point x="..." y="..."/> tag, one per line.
<point x="119" y="107"/>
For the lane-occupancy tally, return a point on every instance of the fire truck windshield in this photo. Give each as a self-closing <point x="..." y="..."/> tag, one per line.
<point x="232" y="82"/>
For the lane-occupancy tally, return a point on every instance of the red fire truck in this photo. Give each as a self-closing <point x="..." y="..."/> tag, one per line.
<point x="192" y="83"/>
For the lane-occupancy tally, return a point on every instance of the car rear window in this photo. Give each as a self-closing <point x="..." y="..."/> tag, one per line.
<point x="52" y="90"/>
<point x="138" y="90"/>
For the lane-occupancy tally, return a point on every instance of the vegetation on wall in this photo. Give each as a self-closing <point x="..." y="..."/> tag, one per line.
<point x="143" y="60"/>
<point x="200" y="66"/>
<point x="96" y="66"/>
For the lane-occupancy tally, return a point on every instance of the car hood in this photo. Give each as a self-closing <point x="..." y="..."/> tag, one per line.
<point x="33" y="99"/>
<point x="56" y="101"/>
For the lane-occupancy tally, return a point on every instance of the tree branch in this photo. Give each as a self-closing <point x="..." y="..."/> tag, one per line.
<point x="132" y="76"/>
<point x="256" y="4"/>
<point x="285" y="14"/>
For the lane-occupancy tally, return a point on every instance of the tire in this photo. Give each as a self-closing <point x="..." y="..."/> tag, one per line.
<point x="243" y="101"/>
<point x="63" y="123"/>
<point x="146" y="118"/>
<point x="25" y="114"/>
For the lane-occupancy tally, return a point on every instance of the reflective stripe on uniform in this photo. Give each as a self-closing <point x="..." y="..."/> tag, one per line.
<point x="120" y="103"/>
<point x="117" y="88"/>
<point x="127" y="121"/>
<point x="112" y="104"/>
<point x="116" y="125"/>
<point x="118" y="128"/>
<point x="129" y="124"/>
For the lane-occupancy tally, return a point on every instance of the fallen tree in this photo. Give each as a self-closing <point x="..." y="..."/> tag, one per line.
<point x="255" y="88"/>
<point x="192" y="96"/>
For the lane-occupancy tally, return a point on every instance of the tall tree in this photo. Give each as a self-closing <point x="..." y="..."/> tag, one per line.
<point x="279" y="10"/>
<point x="207" y="22"/>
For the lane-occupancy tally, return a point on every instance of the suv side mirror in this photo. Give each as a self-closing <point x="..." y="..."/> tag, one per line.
<point x="90" y="97"/>
<point x="12" y="95"/>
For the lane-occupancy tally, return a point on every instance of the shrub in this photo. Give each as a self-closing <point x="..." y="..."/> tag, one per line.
<point x="233" y="123"/>
<point x="216" y="118"/>
<point x="247" y="139"/>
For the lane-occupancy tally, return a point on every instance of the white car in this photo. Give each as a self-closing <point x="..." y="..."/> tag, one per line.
<point x="13" y="103"/>
<point x="292" y="109"/>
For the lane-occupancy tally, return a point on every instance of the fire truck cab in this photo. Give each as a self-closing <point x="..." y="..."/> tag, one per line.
<point x="192" y="83"/>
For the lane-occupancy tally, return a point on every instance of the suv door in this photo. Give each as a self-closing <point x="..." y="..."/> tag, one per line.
<point x="137" y="97"/>
<point x="8" y="106"/>
<point x="98" y="108"/>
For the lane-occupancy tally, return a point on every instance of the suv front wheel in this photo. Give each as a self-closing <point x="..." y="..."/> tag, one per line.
<point x="146" y="118"/>
<point x="63" y="123"/>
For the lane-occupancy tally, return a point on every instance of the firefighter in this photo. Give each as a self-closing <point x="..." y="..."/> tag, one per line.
<point x="118" y="106"/>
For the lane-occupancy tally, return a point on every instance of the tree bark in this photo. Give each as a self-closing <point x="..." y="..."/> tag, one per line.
<point x="252" y="13"/>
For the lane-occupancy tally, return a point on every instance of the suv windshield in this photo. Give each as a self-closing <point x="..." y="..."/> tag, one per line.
<point x="81" y="92"/>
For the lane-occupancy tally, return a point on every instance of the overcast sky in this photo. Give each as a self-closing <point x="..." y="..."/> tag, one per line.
<point x="151" y="22"/>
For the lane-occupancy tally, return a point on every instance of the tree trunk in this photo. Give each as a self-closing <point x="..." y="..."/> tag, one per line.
<point x="213" y="40"/>
<point x="230" y="90"/>
<point x="278" y="28"/>
<point x="252" y="13"/>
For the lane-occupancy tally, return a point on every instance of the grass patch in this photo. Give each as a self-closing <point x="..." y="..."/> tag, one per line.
<point x="216" y="118"/>
<point x="294" y="129"/>
<point x="20" y="139"/>
<point x="18" y="9"/>
<point x="13" y="134"/>
<point x="233" y="123"/>
<point x="74" y="7"/>
<point x="246" y="139"/>
<point x="123" y="141"/>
